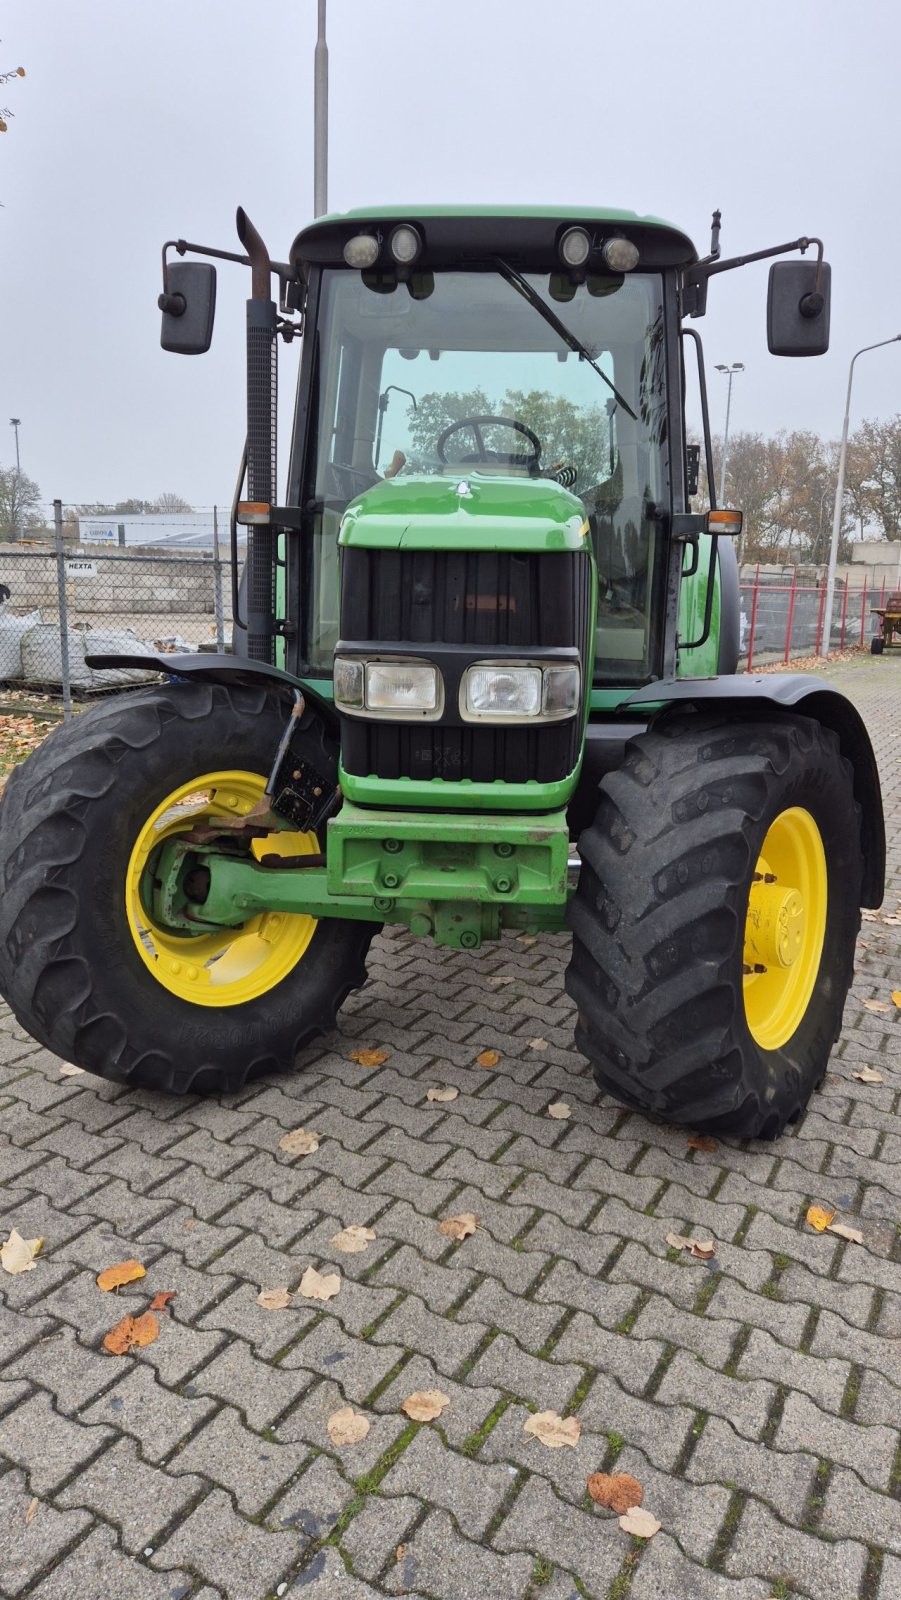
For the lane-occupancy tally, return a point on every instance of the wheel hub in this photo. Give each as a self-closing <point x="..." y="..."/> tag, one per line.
<point x="776" y="924"/>
<point x="785" y="926"/>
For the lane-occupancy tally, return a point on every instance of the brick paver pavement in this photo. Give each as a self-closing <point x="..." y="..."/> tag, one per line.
<point x="757" y="1396"/>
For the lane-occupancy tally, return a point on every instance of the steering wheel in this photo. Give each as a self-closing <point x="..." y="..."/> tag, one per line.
<point x="477" y="424"/>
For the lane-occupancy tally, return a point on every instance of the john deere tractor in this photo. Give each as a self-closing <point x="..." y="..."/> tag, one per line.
<point x="482" y="679"/>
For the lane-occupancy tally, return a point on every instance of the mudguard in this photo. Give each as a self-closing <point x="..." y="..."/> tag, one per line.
<point x="794" y="691"/>
<point x="211" y="667"/>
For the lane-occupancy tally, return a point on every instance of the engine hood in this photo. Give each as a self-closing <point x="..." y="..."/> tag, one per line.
<point x="467" y="511"/>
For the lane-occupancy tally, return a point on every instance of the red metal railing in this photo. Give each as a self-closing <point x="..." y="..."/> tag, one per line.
<point x="784" y="619"/>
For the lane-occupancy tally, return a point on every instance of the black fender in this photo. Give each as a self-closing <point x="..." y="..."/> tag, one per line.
<point x="212" y="667"/>
<point x="792" y="691"/>
<point x="730" y="607"/>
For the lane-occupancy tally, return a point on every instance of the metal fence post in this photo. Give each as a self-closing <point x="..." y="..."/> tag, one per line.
<point x="63" y="615"/>
<point x="863" y="611"/>
<point x="753" y="619"/>
<point x="841" y="642"/>
<point x="217" y="583"/>
<point x="820" y="625"/>
<point x="791" y="614"/>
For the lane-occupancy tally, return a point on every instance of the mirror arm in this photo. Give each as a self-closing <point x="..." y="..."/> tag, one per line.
<point x="286" y="273"/>
<point x="696" y="278"/>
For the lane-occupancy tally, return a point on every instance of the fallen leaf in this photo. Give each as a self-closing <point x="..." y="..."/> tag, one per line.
<point x="124" y="1272"/>
<point x="882" y="1006"/>
<point x="400" y="1552"/>
<point x="701" y="1141"/>
<point x="443" y="1095"/>
<point x="892" y="922"/>
<point x="537" y="1044"/>
<point x="488" y="1058"/>
<point x="30" y="1513"/>
<point x="191" y="1223"/>
<point x="17" y="1254"/>
<point x="701" y="1249"/>
<point x="425" y="1404"/>
<point x="347" y="1426"/>
<point x="867" y="1075"/>
<point x="526" y="938"/>
<point x="618" y="1491"/>
<point x="844" y="1232"/>
<point x="495" y="981"/>
<point x="274" y="1299"/>
<point x="553" y="1430"/>
<point x="369" y="1058"/>
<point x="639" y="1522"/>
<point x="319" y="1285"/>
<point x="68" y="1069"/>
<point x="896" y="997"/>
<point x="130" y="1331"/>
<point x="351" y="1240"/>
<point x="559" y="1110"/>
<point x="819" y="1218"/>
<point x="299" y="1142"/>
<point x="459" y="1227"/>
<point x="161" y="1300"/>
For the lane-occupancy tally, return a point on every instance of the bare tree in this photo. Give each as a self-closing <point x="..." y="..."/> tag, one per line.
<point x="5" y="113"/>
<point x="169" y="502"/>
<point x="20" y="504"/>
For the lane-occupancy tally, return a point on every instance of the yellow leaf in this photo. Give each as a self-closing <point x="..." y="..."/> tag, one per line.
<point x="639" y="1522"/>
<point x="161" y="1300"/>
<point x="820" y="1218"/>
<point x="896" y="996"/>
<point x="131" y="1331"/>
<point x="125" y="1272"/>
<point x="459" y="1227"/>
<point x="553" y="1430"/>
<point x="353" y="1239"/>
<point x="319" y="1285"/>
<point x="369" y="1058"/>
<point x="425" y="1405"/>
<point x="488" y="1058"/>
<point x="30" y="1513"/>
<point x="560" y="1111"/>
<point x="618" y="1491"/>
<point x="444" y="1095"/>
<point x="17" y="1254"/>
<point x="299" y="1142"/>
<point x="347" y="1426"/>
<point x="844" y="1232"/>
<point x="274" y="1299"/>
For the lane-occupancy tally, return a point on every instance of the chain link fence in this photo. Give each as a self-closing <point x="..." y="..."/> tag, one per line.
<point x="65" y="604"/>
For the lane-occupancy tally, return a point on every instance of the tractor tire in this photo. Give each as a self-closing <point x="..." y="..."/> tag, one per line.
<point x="715" y="920"/>
<point x="877" y="646"/>
<point x="84" y="970"/>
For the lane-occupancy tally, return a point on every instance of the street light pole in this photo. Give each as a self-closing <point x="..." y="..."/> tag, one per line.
<point x="839" y="498"/>
<point x="737" y="366"/>
<point x="14" y="423"/>
<point x="320" y="119"/>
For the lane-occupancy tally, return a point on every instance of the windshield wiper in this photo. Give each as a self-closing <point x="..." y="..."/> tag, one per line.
<point x="523" y="287"/>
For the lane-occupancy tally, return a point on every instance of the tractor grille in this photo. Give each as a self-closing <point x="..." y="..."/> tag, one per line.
<point x="480" y="600"/>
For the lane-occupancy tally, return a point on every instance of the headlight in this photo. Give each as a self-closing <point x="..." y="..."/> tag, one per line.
<point x="520" y="692"/>
<point x="398" y="689"/>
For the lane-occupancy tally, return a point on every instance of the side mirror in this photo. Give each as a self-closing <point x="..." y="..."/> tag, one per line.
<point x="188" y="304"/>
<point x="797" y="308"/>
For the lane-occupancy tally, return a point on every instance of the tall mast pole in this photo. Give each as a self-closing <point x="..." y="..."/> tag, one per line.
<point x="320" y="119"/>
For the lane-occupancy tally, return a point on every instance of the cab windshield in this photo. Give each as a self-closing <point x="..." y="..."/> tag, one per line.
<point x="460" y="371"/>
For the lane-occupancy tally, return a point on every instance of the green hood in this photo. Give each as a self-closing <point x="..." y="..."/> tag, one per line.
<point x="465" y="511"/>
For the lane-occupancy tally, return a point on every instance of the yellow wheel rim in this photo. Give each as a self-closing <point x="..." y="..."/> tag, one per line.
<point x="234" y="965"/>
<point x="784" y="928"/>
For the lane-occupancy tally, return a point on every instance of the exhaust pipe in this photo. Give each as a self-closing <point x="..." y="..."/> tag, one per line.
<point x="262" y="465"/>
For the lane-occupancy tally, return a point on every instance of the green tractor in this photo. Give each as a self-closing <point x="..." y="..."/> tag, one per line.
<point x="483" y="678"/>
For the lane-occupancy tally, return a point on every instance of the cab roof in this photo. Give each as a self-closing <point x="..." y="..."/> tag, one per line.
<point x="461" y="235"/>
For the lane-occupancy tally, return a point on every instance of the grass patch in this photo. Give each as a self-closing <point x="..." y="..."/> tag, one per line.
<point x="472" y="1444"/>
<point x="543" y="1571"/>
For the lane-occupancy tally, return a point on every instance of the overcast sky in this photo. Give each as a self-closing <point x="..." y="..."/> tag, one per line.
<point x="140" y="121"/>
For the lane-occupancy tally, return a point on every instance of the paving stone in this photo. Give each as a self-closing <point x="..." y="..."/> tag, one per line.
<point x="765" y="1547"/>
<point x="869" y="1450"/>
<point x="745" y="1403"/>
<point x="178" y="1351"/>
<point x="851" y="1301"/>
<point x="723" y="1456"/>
<point x="233" y="1457"/>
<point x="139" y="1406"/>
<point x="112" y="1201"/>
<point x="373" y="1536"/>
<point x="710" y="1338"/>
<point x="663" y="1573"/>
<point x="631" y="1359"/>
<point x="734" y="1303"/>
<point x="196" y="1241"/>
<point x="414" y="1327"/>
<point x="833" y="1337"/>
<point x="539" y="1523"/>
<point x="528" y="1322"/>
<point x="307" y="1425"/>
<point x="822" y="1378"/>
<point x="570" y="1205"/>
<point x="693" y="1514"/>
<point x="314" y="1502"/>
<point x="236" y="1556"/>
<point x="890" y="1579"/>
<point x="545" y="1384"/>
<point x="359" y="1365"/>
<point x="472" y="1491"/>
<point x="73" y="1374"/>
<point x="326" y="1578"/>
<point x="140" y="1500"/>
<point x="26" y="1549"/>
<point x="853" y="1511"/>
<point x="20" y="1333"/>
<point x="444" y="1285"/>
<point x="661" y="1431"/>
<point x="878" y="1401"/>
<point x="445" y="1565"/>
<point x="48" y="1445"/>
<point x="259" y="1389"/>
<point x="566" y="1286"/>
<point x="267" y="1332"/>
<point x="469" y="1408"/>
<point x="96" y="1569"/>
<point x="278" y="1225"/>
